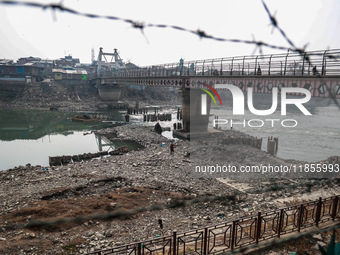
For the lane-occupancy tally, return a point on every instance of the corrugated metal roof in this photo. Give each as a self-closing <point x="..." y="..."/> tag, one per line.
<point x="6" y="61"/>
<point x="75" y="72"/>
<point x="11" y="79"/>
<point x="69" y="71"/>
<point x="46" y="61"/>
<point x="57" y="70"/>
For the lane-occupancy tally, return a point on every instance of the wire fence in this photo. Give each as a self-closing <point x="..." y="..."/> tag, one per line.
<point x="238" y="234"/>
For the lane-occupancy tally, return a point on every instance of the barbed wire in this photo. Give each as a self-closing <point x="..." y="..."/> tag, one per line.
<point x="276" y="25"/>
<point x="142" y="25"/>
<point x="200" y="33"/>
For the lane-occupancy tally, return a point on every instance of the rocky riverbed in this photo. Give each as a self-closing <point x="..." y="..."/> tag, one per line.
<point x="52" y="94"/>
<point x="119" y="199"/>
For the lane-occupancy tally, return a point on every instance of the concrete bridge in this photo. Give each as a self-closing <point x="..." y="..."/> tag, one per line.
<point x="317" y="71"/>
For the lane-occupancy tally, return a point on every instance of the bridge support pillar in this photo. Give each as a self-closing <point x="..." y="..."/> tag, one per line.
<point x="193" y="120"/>
<point x="109" y="92"/>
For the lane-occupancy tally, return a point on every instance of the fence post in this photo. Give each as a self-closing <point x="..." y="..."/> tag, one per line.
<point x="233" y="235"/>
<point x="303" y="64"/>
<point x="258" y="229"/>
<point x="255" y="65"/>
<point x="205" y="241"/>
<point x="232" y="66"/>
<point x="203" y="69"/>
<point x="335" y="207"/>
<point x="323" y="70"/>
<point x="286" y="63"/>
<point x="174" y="237"/>
<point x="300" y="218"/>
<point x="318" y="212"/>
<point x="139" y="249"/>
<point x="221" y="72"/>
<point x="280" y="223"/>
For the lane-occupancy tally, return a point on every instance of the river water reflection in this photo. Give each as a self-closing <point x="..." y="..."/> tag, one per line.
<point x="31" y="136"/>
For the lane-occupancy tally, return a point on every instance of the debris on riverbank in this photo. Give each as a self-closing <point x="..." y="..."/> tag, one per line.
<point x="151" y="178"/>
<point x="53" y="95"/>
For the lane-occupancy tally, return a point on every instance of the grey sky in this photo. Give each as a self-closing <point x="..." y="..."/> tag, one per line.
<point x="33" y="32"/>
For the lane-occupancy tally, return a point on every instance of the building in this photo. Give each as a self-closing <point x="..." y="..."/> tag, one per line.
<point x="66" y="62"/>
<point x="27" y="60"/>
<point x="20" y="74"/>
<point x="6" y="61"/>
<point x="89" y="68"/>
<point x="48" y="66"/>
<point x="70" y="76"/>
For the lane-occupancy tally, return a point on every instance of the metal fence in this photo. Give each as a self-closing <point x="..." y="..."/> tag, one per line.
<point x="246" y="231"/>
<point x="287" y="64"/>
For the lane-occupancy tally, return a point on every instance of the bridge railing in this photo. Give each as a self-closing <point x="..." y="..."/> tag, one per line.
<point x="290" y="63"/>
<point x="244" y="232"/>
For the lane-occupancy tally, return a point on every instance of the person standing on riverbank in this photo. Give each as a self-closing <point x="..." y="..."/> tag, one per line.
<point x="172" y="148"/>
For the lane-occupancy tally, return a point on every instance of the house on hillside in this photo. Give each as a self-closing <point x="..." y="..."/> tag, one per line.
<point x="21" y="74"/>
<point x="28" y="60"/>
<point x="66" y="62"/>
<point x="70" y="76"/>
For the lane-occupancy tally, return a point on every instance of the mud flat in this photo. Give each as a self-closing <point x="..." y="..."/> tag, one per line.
<point x="137" y="188"/>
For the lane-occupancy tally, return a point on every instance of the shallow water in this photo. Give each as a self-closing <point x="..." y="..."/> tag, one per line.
<point x="31" y="136"/>
<point x="314" y="138"/>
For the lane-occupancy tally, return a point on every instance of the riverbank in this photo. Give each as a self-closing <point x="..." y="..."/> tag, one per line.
<point x="50" y="94"/>
<point x="150" y="184"/>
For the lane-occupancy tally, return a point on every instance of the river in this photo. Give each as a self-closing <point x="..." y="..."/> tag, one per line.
<point x="314" y="138"/>
<point x="31" y="136"/>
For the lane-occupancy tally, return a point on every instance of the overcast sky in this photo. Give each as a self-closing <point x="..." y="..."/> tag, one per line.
<point x="28" y="31"/>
